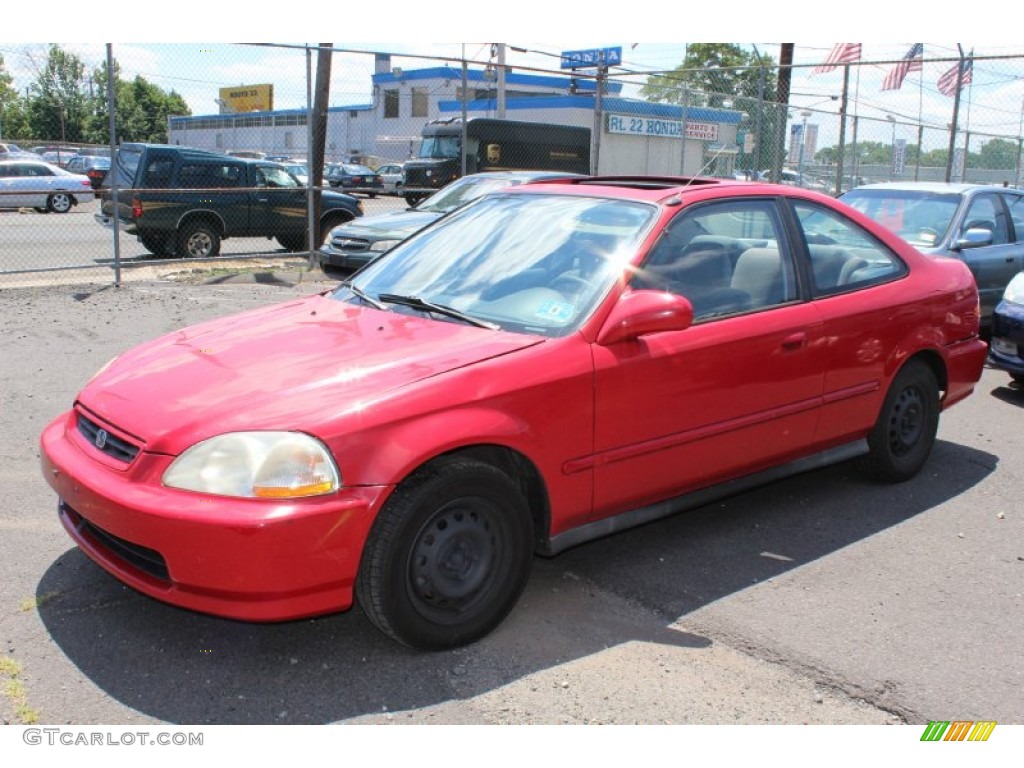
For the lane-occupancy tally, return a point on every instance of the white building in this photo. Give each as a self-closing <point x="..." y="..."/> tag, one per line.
<point x="637" y="137"/>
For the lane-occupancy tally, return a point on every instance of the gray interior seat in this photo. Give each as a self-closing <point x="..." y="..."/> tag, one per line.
<point x="759" y="274"/>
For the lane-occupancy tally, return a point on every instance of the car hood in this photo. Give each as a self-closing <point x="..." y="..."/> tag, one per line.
<point x="388" y="226"/>
<point x="296" y="366"/>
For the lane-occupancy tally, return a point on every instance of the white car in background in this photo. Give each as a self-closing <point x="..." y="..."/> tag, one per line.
<point x="40" y="185"/>
<point x="393" y="177"/>
<point x="298" y="170"/>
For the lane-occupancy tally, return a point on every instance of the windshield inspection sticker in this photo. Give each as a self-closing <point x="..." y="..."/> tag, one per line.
<point x="558" y="311"/>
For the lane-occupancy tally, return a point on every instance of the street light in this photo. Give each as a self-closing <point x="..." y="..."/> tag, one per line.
<point x="803" y="143"/>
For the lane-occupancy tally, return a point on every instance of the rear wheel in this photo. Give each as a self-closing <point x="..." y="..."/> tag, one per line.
<point x="198" y="240"/>
<point x="1017" y="377"/>
<point x="904" y="434"/>
<point x="60" y="202"/>
<point x="448" y="556"/>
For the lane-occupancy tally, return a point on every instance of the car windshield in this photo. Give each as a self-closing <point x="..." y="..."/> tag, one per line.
<point x="440" y="146"/>
<point x="358" y="170"/>
<point x="920" y="217"/>
<point x="535" y="263"/>
<point x="462" y="191"/>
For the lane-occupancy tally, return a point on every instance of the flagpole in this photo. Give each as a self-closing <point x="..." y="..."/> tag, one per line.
<point x="842" y="129"/>
<point x="956" y="114"/>
<point x="920" y="116"/>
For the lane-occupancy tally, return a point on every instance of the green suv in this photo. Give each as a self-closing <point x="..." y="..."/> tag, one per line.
<point x="183" y="201"/>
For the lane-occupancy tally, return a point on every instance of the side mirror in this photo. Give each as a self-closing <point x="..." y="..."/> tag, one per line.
<point x="642" y="312"/>
<point x="975" y="237"/>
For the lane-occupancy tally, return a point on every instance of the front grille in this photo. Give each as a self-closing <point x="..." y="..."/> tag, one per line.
<point x="107" y="443"/>
<point x="149" y="561"/>
<point x="343" y="243"/>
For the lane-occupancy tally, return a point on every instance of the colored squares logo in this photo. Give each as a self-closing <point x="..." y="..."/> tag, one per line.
<point x="958" y="730"/>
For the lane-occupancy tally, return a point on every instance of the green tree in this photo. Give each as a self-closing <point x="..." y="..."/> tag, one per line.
<point x="142" y="109"/>
<point x="57" y="99"/>
<point x="725" y="75"/>
<point x="13" y="123"/>
<point x="998" y="154"/>
<point x="712" y="74"/>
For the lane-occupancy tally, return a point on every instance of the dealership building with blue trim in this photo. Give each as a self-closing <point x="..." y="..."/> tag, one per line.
<point x="637" y="137"/>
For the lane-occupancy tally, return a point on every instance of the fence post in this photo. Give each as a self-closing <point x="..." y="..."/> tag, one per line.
<point x="112" y="124"/>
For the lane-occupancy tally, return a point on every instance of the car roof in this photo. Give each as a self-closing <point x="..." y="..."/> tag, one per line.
<point x="663" y="188"/>
<point x="926" y="186"/>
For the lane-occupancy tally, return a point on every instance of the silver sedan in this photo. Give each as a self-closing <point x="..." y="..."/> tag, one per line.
<point x="40" y="185"/>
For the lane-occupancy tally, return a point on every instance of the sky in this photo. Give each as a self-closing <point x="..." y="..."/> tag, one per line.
<point x="180" y="56"/>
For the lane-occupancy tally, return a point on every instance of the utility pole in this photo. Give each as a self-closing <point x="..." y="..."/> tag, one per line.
<point x="321" y="97"/>
<point x="782" y="97"/>
<point x="501" y="81"/>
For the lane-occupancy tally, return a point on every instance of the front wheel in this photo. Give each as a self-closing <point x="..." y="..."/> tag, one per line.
<point x="902" y="438"/>
<point x="60" y="202"/>
<point x="198" y="240"/>
<point x="293" y="242"/>
<point x="448" y="556"/>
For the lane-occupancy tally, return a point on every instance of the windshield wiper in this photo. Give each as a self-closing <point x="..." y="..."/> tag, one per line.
<point x="428" y="306"/>
<point x="361" y="294"/>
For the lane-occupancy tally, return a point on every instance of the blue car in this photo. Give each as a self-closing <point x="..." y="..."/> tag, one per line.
<point x="1006" y="350"/>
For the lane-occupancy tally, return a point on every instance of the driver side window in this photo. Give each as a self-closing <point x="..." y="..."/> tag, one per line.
<point x="986" y="212"/>
<point x="724" y="257"/>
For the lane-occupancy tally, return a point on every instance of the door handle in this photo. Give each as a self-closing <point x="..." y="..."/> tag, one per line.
<point x="794" y="341"/>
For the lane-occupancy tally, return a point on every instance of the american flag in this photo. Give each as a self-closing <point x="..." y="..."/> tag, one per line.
<point x="843" y="53"/>
<point x="947" y="83"/>
<point x="911" y="62"/>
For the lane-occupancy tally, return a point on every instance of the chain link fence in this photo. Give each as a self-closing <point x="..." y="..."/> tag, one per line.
<point x="332" y="117"/>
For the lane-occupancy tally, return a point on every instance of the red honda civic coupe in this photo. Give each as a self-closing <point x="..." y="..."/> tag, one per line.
<point x="551" y="363"/>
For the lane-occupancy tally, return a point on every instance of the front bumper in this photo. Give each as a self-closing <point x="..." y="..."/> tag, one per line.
<point x="247" y="559"/>
<point x="1006" y="352"/>
<point x="346" y="258"/>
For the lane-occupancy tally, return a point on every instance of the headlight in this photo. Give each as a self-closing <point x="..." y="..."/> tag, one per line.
<point x="261" y="465"/>
<point x="1015" y="290"/>
<point x="383" y="245"/>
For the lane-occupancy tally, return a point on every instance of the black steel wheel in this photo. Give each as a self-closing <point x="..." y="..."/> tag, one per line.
<point x="448" y="556"/>
<point x="198" y="240"/>
<point x="904" y="434"/>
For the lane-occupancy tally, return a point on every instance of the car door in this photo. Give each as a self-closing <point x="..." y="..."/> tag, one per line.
<point x="856" y="284"/>
<point x="737" y="391"/>
<point x="279" y="203"/>
<point x="34" y="183"/>
<point x="12" y="195"/>
<point x="994" y="264"/>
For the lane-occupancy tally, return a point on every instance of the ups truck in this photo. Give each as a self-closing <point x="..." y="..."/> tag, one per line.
<point x="493" y="145"/>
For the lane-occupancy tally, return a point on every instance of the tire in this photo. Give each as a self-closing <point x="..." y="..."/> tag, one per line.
<point x="1017" y="377"/>
<point x="413" y="197"/>
<point x="330" y="222"/>
<point x="155" y="244"/>
<point x="198" y="240"/>
<point x="447" y="557"/>
<point x="293" y="242"/>
<point x="902" y="438"/>
<point x="60" y="202"/>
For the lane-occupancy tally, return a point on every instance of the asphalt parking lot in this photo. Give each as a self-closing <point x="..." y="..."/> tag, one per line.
<point x="819" y="599"/>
